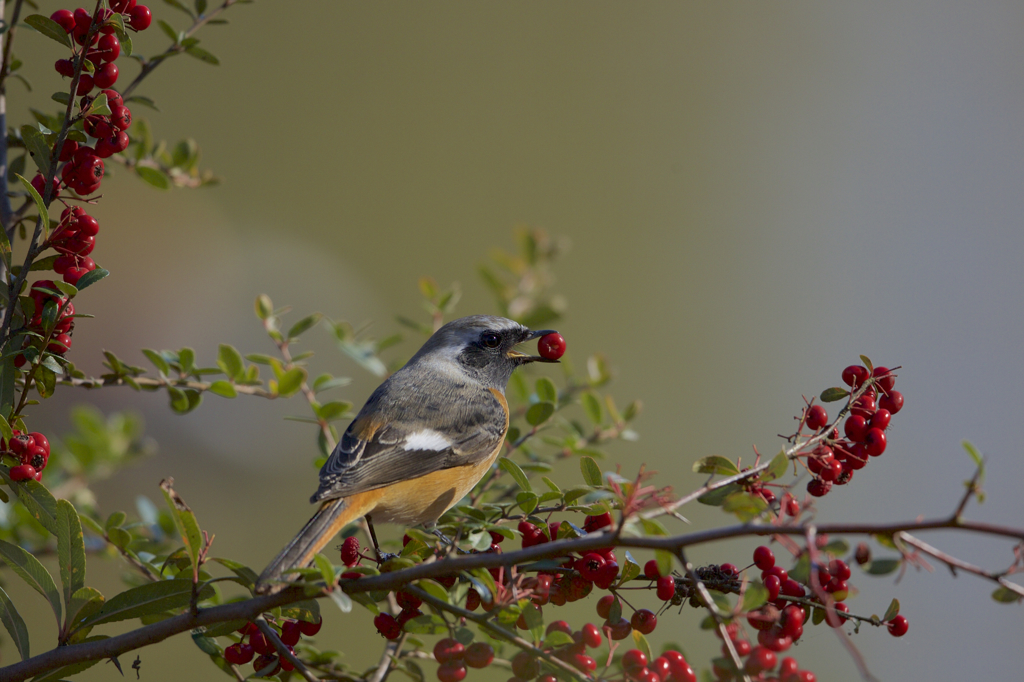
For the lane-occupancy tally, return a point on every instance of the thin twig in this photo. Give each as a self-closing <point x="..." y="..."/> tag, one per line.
<point x="282" y="649"/>
<point x="955" y="563"/>
<point x="103" y="382"/>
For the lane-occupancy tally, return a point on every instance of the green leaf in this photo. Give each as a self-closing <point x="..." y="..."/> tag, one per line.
<point x="755" y="596"/>
<point x="49" y="28"/>
<point x="591" y="406"/>
<point x="744" y="505"/>
<point x="155" y="177"/>
<point x="304" y="325"/>
<point x="527" y="501"/>
<point x="15" y="624"/>
<point x="32" y="572"/>
<point x="591" y="472"/>
<point x="664" y="559"/>
<point x="158" y="361"/>
<point x="892" y="611"/>
<point x="225" y="389"/>
<point x="38" y="149"/>
<point x="1005" y="595"/>
<point x="538" y="413"/>
<point x="247" y="575"/>
<point x="534" y="620"/>
<point x="36" y="498"/>
<point x="630" y="569"/>
<point x="715" y="464"/>
<point x="40" y="206"/>
<point x="291" y="381"/>
<point x="70" y="550"/>
<point x="778" y="467"/>
<point x="99" y="106"/>
<point x="84" y="602"/>
<point x="230" y="361"/>
<point x="557" y="638"/>
<point x="326" y="569"/>
<point x="867" y="363"/>
<point x="979" y="461"/>
<point x="185" y="522"/>
<point x="91" y="277"/>
<point x="168" y="30"/>
<point x="145" y="101"/>
<point x="5" y="429"/>
<point x="336" y="409"/>
<point x="434" y="589"/>
<point x="147" y="599"/>
<point x="513" y="469"/>
<point x="307" y="610"/>
<point x="202" y="55"/>
<point x="882" y="566"/>
<point x="830" y="395"/>
<point x="546" y="390"/>
<point x="717" y="497"/>
<point x="642" y="645"/>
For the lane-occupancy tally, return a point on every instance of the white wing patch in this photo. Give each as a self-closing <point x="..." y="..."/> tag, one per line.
<point x="427" y="439"/>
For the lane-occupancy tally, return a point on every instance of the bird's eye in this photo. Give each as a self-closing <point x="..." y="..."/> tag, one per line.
<point x="490" y="340"/>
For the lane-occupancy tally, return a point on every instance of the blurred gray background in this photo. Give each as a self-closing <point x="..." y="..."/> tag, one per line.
<point x="755" y="193"/>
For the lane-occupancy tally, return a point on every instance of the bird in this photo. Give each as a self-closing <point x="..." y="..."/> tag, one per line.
<point x="423" y="439"/>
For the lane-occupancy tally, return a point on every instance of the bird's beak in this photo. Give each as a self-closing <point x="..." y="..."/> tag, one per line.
<point x="523" y="358"/>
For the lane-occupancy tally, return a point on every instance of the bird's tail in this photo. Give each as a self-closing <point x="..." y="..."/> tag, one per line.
<point x="332" y="516"/>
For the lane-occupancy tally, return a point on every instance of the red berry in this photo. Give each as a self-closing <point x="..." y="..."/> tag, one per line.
<point x="880" y="419"/>
<point x="892" y="401"/>
<point x="583" y="663"/>
<point x="874" y="442"/>
<point x="620" y="629"/>
<point x="267" y="662"/>
<point x="310" y="629"/>
<point x="122" y="6"/>
<point x="85" y="84"/>
<point x="681" y="670"/>
<point x="454" y="671"/>
<point x="350" y="551"/>
<point x="818" y="488"/>
<point x="68" y="149"/>
<point x="478" y="655"/>
<point x="66" y="68"/>
<point x="592" y="635"/>
<point x="764" y="557"/>
<point x="864" y="406"/>
<point x="644" y="620"/>
<point x="65" y="18"/>
<point x="666" y="588"/>
<point x="597" y="522"/>
<point x="633" y="661"/>
<point x="760" y="659"/>
<point x="140" y="18"/>
<point x="831" y="471"/>
<point x="839" y="619"/>
<point x="897" y="626"/>
<point x="661" y="667"/>
<point x="651" y="570"/>
<point x="839" y="569"/>
<point x="472" y="600"/>
<point x="106" y="75"/>
<point x="525" y="666"/>
<point x="790" y="506"/>
<point x="774" y="639"/>
<point x="387" y="626"/>
<point x="290" y="633"/>
<point x="646" y="675"/>
<point x="109" y="48"/>
<point x="604" y="605"/>
<point x="551" y="346"/>
<point x="590" y="566"/>
<point x="448" y="649"/>
<point x="60" y="344"/>
<point x="855" y="375"/>
<point x="885" y="383"/>
<point x="774" y="585"/>
<point x="856" y="428"/>
<point x="22" y="472"/>
<point x="792" y="621"/>
<point x="238" y="654"/>
<point x="260" y="644"/>
<point x="816" y="417"/>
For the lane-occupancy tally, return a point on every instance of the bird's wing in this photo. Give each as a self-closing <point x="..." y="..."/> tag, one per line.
<point x="389" y="443"/>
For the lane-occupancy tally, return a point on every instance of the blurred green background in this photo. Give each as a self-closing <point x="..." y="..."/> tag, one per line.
<point x="755" y="194"/>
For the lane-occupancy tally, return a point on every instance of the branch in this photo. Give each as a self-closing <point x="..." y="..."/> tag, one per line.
<point x="955" y="563"/>
<point x="102" y="382"/>
<point x="451" y="565"/>
<point x="282" y="649"/>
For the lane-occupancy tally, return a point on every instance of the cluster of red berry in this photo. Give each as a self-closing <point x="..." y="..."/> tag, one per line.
<point x="83" y="165"/>
<point x="258" y="646"/>
<point x="834" y="459"/>
<point x="45" y="295"/>
<point x="32" y="450"/>
<point x="74" y="238"/>
<point x="455" y="657"/>
<point x="671" y="666"/>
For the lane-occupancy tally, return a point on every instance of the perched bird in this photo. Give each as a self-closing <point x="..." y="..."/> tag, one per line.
<point x="421" y="442"/>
